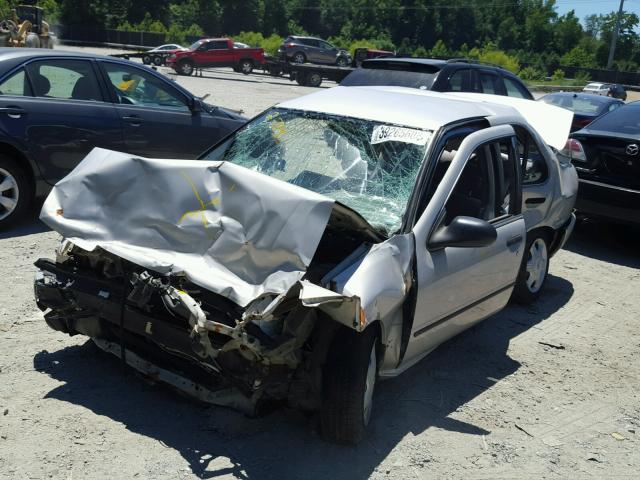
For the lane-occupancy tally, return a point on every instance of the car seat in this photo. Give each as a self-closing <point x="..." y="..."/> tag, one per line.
<point x="85" y="89"/>
<point x="41" y="85"/>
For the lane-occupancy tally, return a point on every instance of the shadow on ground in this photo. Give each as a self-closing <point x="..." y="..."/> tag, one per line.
<point x="285" y="444"/>
<point x="27" y="226"/>
<point x="608" y="242"/>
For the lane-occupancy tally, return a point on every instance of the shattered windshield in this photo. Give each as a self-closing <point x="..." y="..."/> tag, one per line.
<point x="368" y="166"/>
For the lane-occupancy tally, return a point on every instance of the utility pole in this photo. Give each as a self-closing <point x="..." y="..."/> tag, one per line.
<point x="614" y="37"/>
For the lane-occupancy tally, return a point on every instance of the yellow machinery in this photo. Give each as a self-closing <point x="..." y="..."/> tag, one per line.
<point x="26" y="29"/>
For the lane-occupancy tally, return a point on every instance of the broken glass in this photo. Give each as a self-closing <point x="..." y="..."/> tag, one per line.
<point x="368" y="166"/>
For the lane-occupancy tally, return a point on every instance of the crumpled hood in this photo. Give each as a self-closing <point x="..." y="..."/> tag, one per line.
<point x="230" y="230"/>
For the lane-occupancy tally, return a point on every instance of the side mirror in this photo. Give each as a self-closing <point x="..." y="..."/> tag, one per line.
<point x="466" y="232"/>
<point x="195" y="105"/>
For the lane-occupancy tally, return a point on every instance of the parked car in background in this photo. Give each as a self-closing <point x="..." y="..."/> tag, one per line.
<point x="606" y="154"/>
<point x="215" y="52"/>
<point x="56" y="106"/>
<point x="456" y="75"/>
<point x="299" y="49"/>
<point x="345" y="235"/>
<point x="240" y="45"/>
<point x="606" y="89"/>
<point x="586" y="107"/>
<point x="158" y="55"/>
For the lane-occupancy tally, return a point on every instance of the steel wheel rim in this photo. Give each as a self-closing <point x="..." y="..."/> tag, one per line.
<point x="9" y="194"/>
<point x="537" y="265"/>
<point x="369" y="386"/>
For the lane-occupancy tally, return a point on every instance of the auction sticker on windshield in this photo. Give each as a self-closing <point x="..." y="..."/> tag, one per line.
<point x="391" y="133"/>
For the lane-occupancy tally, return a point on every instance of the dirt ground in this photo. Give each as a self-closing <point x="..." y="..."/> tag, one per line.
<point x="548" y="391"/>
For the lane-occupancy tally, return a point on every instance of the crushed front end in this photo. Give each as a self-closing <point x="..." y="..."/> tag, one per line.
<point x="174" y="331"/>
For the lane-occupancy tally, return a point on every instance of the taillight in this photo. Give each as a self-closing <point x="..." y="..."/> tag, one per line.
<point x="573" y="149"/>
<point x="291" y="45"/>
<point x="582" y="123"/>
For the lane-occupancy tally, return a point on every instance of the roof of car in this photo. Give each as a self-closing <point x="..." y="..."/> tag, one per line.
<point x="430" y="110"/>
<point x="396" y="105"/>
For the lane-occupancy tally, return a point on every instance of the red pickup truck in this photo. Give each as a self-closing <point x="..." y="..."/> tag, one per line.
<point x="216" y="52"/>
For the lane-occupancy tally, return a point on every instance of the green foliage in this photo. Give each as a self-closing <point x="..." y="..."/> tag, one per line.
<point x="271" y="43"/>
<point x="578" y="56"/>
<point x="498" y="57"/>
<point x="439" y="50"/>
<point x="557" y="75"/>
<point x="531" y="73"/>
<point x="421" y="52"/>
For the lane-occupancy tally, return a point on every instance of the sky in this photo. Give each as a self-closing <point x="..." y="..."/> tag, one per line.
<point x="587" y="7"/>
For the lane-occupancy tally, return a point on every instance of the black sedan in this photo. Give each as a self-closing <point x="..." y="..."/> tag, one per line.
<point x="586" y="107"/>
<point x="606" y="155"/>
<point x="56" y="106"/>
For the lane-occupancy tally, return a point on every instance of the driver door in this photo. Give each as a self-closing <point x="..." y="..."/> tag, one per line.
<point x="459" y="286"/>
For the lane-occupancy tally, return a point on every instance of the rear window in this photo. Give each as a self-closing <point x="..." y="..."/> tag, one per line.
<point x="395" y="78"/>
<point x="622" y="120"/>
<point x="579" y="105"/>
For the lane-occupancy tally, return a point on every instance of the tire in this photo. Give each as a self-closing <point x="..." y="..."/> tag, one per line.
<point x="314" y="79"/>
<point x="246" y="67"/>
<point x="342" y="62"/>
<point x="158" y="61"/>
<point x="16" y="192"/>
<point x="348" y="384"/>
<point x="146" y="59"/>
<point x="298" y="57"/>
<point x="186" y="67"/>
<point x="301" y="79"/>
<point x="533" y="270"/>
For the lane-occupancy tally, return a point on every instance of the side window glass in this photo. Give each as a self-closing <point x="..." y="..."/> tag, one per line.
<point x="456" y="80"/>
<point x="612" y="107"/>
<point x="534" y="167"/>
<point x="219" y="45"/>
<point x="489" y="83"/>
<point x="136" y="87"/>
<point x="513" y="89"/>
<point x="16" y="85"/>
<point x="474" y="194"/>
<point x="68" y="79"/>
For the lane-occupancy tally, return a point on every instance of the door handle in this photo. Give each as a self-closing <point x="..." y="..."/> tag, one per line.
<point x="514" y="240"/>
<point x="13" y="112"/>
<point x="133" y="120"/>
<point x="534" y="200"/>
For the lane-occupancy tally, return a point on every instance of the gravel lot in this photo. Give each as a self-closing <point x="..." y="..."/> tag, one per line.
<point x="541" y="392"/>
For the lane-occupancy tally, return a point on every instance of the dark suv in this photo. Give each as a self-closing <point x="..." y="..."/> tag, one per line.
<point x="456" y="75"/>
<point x="315" y="50"/>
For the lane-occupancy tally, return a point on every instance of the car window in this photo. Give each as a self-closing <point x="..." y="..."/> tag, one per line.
<point x="68" y="79"/>
<point x="489" y="83"/>
<point x="218" y="45"/>
<point x="534" y="167"/>
<point x="612" y="107"/>
<point x="486" y="188"/>
<point x="133" y="86"/>
<point x="325" y="45"/>
<point x="621" y="120"/>
<point x="474" y="193"/>
<point x="514" y="89"/>
<point x="311" y="42"/>
<point x="16" y="85"/>
<point x="457" y="80"/>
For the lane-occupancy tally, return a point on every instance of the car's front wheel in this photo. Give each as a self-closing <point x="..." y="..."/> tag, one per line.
<point x="16" y="192"/>
<point x="185" y="67"/>
<point x="342" y="62"/>
<point x="246" y="67"/>
<point x="349" y="379"/>
<point x="533" y="270"/>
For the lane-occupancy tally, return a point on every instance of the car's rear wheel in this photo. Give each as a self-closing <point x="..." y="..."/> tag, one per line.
<point x="534" y="269"/>
<point x="314" y="79"/>
<point x="349" y="379"/>
<point x="16" y="192"/>
<point x="185" y="67"/>
<point x="146" y="59"/>
<point x="299" y="57"/>
<point x="246" y="67"/>
<point x="158" y="61"/>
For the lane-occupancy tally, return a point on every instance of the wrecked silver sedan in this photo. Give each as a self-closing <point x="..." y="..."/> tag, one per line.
<point x="333" y="240"/>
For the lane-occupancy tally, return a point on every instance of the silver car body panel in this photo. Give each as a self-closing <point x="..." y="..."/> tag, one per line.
<point x="230" y="230"/>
